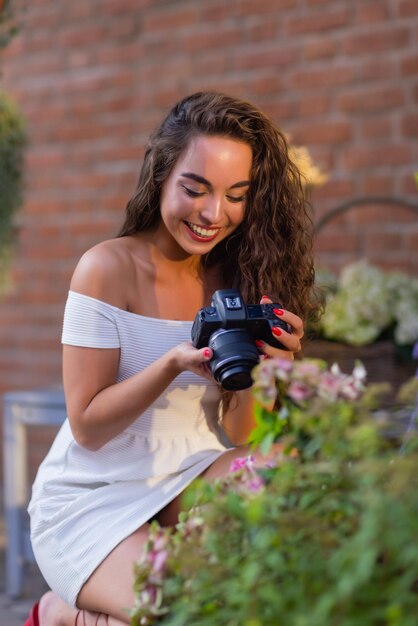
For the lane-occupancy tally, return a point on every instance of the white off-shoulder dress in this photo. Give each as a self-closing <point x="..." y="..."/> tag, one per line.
<point x="85" y="502"/>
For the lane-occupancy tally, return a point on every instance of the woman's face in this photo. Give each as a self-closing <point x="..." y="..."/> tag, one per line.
<point x="203" y="199"/>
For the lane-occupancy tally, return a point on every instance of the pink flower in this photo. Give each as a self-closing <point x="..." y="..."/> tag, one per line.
<point x="255" y="484"/>
<point x="329" y="386"/>
<point x="241" y="462"/>
<point x="159" y="560"/>
<point x="299" y="391"/>
<point x="309" y="371"/>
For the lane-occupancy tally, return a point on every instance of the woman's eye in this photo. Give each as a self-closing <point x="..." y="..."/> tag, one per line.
<point x="192" y="193"/>
<point x="236" y="198"/>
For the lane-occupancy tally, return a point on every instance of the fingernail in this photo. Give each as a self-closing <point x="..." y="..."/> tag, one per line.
<point x="259" y="343"/>
<point x="278" y="311"/>
<point x="266" y="297"/>
<point x="207" y="353"/>
<point x="276" y="331"/>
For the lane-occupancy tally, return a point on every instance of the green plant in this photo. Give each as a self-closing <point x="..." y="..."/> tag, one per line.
<point x="12" y="142"/>
<point x="8" y="24"/>
<point x="365" y="303"/>
<point x="324" y="537"/>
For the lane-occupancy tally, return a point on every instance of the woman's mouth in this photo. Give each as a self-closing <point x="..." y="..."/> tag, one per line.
<point x="199" y="233"/>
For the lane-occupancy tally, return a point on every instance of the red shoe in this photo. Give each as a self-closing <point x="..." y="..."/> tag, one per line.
<point x="33" y="619"/>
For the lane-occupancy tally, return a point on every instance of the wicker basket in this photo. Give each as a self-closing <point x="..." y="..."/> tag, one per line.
<point x="381" y="359"/>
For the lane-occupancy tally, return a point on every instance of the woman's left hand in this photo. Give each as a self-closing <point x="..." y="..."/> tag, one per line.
<point x="291" y="341"/>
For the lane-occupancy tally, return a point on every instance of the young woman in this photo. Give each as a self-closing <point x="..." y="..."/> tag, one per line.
<point x="218" y="205"/>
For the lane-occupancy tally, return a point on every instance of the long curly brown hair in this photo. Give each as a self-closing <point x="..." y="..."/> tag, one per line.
<point x="271" y="251"/>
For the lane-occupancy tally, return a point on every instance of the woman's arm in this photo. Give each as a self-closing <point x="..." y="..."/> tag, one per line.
<point x="98" y="407"/>
<point x="238" y="421"/>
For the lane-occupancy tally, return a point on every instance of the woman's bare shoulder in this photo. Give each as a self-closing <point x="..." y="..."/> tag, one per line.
<point x="105" y="272"/>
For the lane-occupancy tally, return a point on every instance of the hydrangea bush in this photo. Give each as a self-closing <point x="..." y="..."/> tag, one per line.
<point x="326" y="535"/>
<point x="364" y="303"/>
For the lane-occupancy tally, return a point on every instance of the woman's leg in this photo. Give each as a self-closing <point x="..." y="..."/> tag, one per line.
<point x="219" y="468"/>
<point x="108" y="591"/>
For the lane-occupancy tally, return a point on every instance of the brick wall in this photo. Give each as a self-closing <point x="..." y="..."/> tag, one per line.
<point x="93" y="78"/>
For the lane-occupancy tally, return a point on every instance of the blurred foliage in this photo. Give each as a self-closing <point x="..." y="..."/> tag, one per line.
<point x="12" y="143"/>
<point x="328" y="538"/>
<point x="8" y="23"/>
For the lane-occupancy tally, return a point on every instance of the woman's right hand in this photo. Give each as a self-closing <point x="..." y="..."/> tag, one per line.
<point x="186" y="357"/>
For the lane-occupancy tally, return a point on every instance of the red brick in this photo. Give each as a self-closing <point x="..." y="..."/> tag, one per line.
<point x="315" y="3"/>
<point x="377" y="214"/>
<point x="209" y="38"/>
<point x="313" y="105"/>
<point x="262" y="30"/>
<point x="373" y="69"/>
<point x="317" y="21"/>
<point x="356" y="158"/>
<point x="255" y="7"/>
<point x="378" y="41"/>
<point x="321" y="49"/>
<point x="278" y="57"/>
<point x="261" y="85"/>
<point x="333" y="240"/>
<point x="409" y="125"/>
<point x="372" y="12"/>
<point x="333" y="188"/>
<point x="409" y="185"/>
<point x="379" y="128"/>
<point x="214" y="11"/>
<point x="320" y="77"/>
<point x="170" y="18"/>
<point x="378" y="185"/>
<point x="368" y="100"/>
<point x="328" y="132"/>
<point x="411" y="242"/>
<point x="409" y="65"/>
<point x="408" y="8"/>
<point x="383" y="242"/>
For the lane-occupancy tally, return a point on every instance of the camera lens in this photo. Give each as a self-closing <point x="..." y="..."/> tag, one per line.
<point x="234" y="356"/>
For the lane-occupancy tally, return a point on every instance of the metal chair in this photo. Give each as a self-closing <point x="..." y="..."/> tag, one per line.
<point x="44" y="407"/>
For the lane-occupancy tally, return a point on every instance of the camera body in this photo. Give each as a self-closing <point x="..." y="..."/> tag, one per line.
<point x="230" y="327"/>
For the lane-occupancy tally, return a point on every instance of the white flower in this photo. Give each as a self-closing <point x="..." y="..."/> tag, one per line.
<point x="367" y="302"/>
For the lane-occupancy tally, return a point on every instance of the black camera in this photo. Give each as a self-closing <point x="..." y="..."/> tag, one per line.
<point x="230" y="328"/>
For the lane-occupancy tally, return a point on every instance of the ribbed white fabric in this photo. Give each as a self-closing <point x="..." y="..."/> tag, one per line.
<point x="84" y="503"/>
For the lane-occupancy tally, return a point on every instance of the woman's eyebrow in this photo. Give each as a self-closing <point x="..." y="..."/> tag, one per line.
<point x="203" y="181"/>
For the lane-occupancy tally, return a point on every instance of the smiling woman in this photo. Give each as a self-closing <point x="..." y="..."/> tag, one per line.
<point x="202" y="199"/>
<point x="219" y="205"/>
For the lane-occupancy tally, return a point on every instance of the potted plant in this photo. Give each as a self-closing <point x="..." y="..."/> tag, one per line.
<point x="326" y="536"/>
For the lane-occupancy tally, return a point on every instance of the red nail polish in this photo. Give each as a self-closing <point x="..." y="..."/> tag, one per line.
<point x="259" y="343"/>
<point x="276" y="331"/>
<point x="207" y="353"/>
<point x="278" y="311"/>
<point x="265" y="297"/>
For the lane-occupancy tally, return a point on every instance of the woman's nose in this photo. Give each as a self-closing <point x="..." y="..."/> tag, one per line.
<point x="213" y="210"/>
